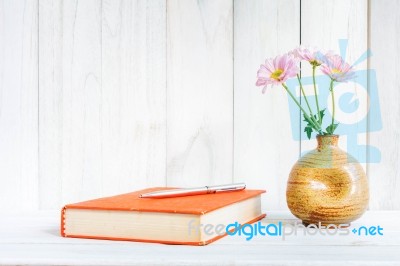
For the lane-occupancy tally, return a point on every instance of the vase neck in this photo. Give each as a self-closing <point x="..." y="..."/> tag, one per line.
<point x="325" y="141"/>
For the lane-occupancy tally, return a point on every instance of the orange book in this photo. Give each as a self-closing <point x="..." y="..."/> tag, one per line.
<point x="179" y="220"/>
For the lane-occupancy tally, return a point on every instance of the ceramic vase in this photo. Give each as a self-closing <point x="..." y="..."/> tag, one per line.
<point x="327" y="185"/>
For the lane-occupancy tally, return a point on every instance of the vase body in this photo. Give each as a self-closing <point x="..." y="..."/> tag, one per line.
<point x="327" y="185"/>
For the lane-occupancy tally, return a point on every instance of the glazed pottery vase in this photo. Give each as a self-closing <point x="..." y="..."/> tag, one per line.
<point x="327" y="185"/>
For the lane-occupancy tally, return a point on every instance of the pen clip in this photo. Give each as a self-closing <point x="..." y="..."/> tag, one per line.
<point x="222" y="188"/>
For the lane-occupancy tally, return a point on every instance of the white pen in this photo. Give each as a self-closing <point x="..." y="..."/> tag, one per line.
<point x="193" y="191"/>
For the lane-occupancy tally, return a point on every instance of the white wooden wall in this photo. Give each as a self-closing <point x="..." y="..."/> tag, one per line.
<point x="100" y="97"/>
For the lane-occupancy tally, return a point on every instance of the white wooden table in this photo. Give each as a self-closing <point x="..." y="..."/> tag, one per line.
<point x="33" y="239"/>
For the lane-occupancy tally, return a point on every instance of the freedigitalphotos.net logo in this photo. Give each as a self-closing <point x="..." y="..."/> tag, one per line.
<point x="280" y="229"/>
<point x="357" y="102"/>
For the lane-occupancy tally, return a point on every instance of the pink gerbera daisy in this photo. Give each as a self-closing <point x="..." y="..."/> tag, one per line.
<point x="311" y="54"/>
<point x="277" y="70"/>
<point x="337" y="69"/>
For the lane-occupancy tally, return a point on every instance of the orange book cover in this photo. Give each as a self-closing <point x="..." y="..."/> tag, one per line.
<point x="198" y="205"/>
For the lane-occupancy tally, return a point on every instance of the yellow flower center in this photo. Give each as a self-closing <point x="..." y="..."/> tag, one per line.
<point x="336" y="71"/>
<point x="315" y="63"/>
<point x="276" y="74"/>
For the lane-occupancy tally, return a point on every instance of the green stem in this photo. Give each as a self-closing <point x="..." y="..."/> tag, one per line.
<point x="333" y="103"/>
<point x="316" y="96"/>
<point x="304" y="94"/>
<point x="316" y="126"/>
<point x="305" y="98"/>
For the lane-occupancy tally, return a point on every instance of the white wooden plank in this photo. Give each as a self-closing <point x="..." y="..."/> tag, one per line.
<point x="384" y="36"/>
<point x="147" y="254"/>
<point x="264" y="147"/>
<point x="50" y="99"/>
<point x="102" y="98"/>
<point x="323" y="24"/>
<point x="133" y="95"/>
<point x="18" y="105"/>
<point x="70" y="102"/>
<point x="199" y="92"/>
<point x="33" y="239"/>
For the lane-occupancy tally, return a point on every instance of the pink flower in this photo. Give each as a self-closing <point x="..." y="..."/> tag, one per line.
<point x="337" y="69"/>
<point x="277" y="70"/>
<point x="311" y="54"/>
